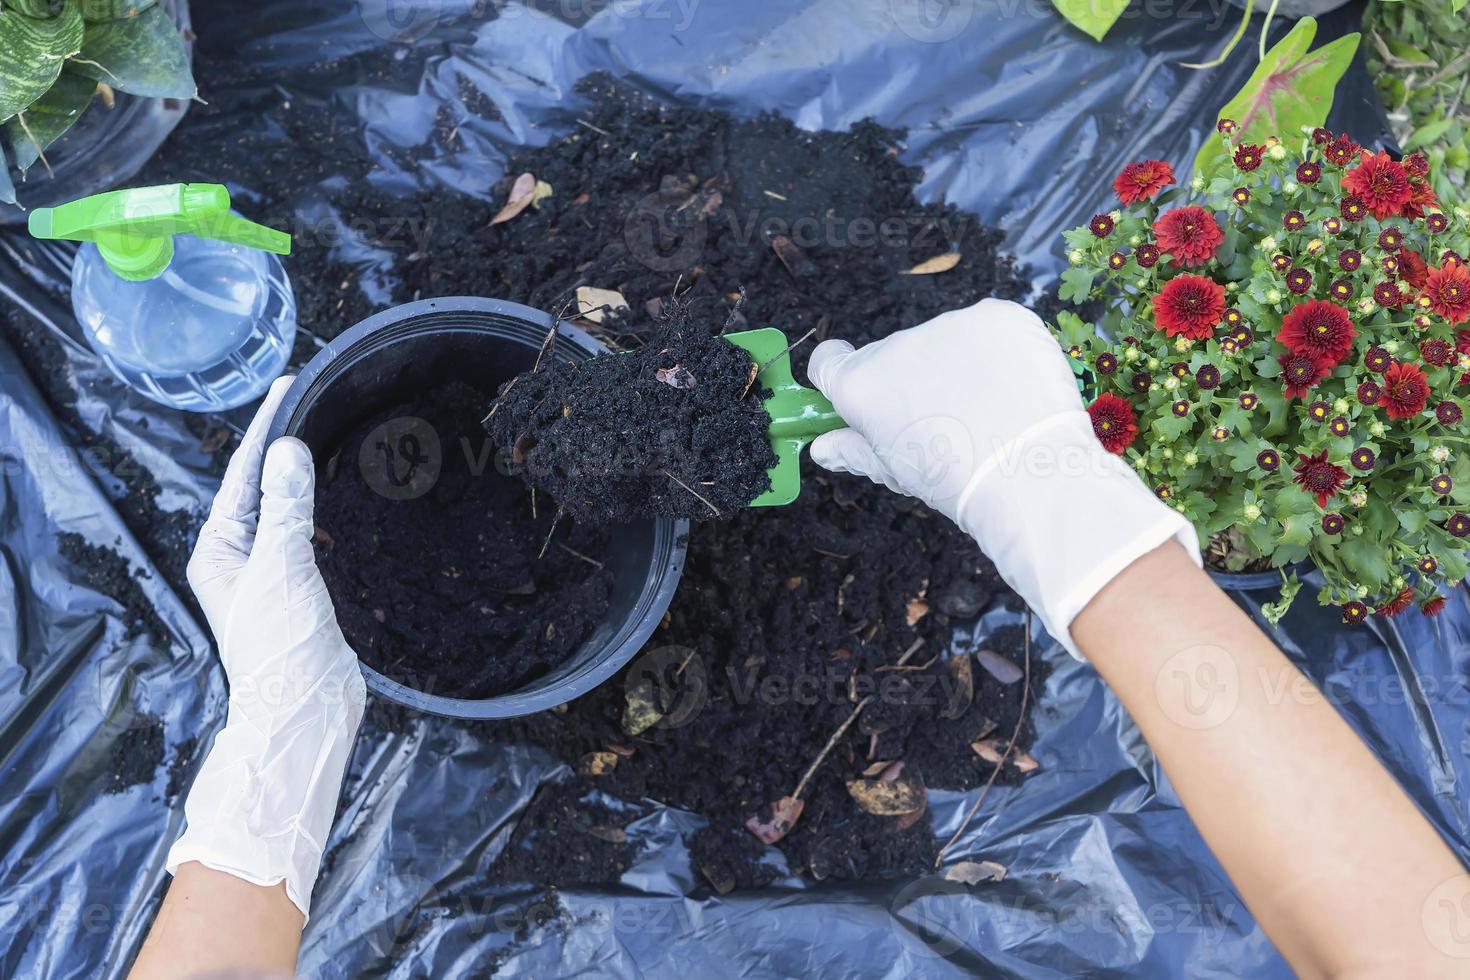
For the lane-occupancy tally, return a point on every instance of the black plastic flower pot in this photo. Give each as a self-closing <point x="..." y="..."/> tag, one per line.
<point x="105" y="148"/>
<point x="380" y="360"/>
<point x="1255" y="581"/>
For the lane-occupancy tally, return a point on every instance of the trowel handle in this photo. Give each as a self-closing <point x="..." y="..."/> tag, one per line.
<point x="801" y="413"/>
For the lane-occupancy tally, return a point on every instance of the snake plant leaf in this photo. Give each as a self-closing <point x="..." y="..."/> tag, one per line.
<point x="114" y="9"/>
<point x="7" y="187"/>
<point x="142" y="55"/>
<point x="48" y="117"/>
<point x="32" y="51"/>
<point x="1291" y="90"/>
<point x="1093" y="17"/>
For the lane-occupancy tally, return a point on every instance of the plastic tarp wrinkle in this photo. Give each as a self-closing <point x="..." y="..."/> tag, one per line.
<point x="1014" y="116"/>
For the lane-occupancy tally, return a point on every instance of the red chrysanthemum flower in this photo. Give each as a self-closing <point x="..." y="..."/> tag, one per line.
<point x="1299" y="281"/>
<point x="1308" y="173"/>
<point x="1341" y="290"/>
<point x="1318" y="476"/>
<point x="1319" y="329"/>
<point x="1436" y="352"/>
<point x="1300" y="373"/>
<point x="1416" y="164"/>
<point x="1401" y="601"/>
<point x="1352" y="208"/>
<point x="1354" y="612"/>
<point x="1382" y="184"/>
<point x="1428" y="565"/>
<point x="1458" y="525"/>
<point x="1147" y="255"/>
<point x="1433" y="607"/>
<point x="1101" y="225"/>
<point x="1333" y="523"/>
<point x="1321" y="136"/>
<point x="1448" y="289"/>
<point x="1376" y="359"/>
<point x="1387" y="294"/>
<point x="1113" y="421"/>
<point x="1437" y="223"/>
<point x="1241" y="196"/>
<point x="1248" y="156"/>
<point x="1225" y="126"/>
<point x="1448" y="413"/>
<point x="1142" y="180"/>
<point x="1442" y="484"/>
<point x="1349" y="260"/>
<point x="1189" y="306"/>
<point x="1422" y="199"/>
<point x="1190" y="234"/>
<point x="1342" y="150"/>
<point x="1405" y="390"/>
<point x="1362" y="459"/>
<point x="1413" y="269"/>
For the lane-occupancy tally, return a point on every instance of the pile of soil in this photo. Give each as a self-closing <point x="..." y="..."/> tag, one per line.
<point x="838" y="586"/>
<point x="672" y="429"/>
<point x="467" y="587"/>
<point x="108" y="572"/>
<point x="136" y="755"/>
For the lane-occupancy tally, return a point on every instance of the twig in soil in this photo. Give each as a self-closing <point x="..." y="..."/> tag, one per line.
<point x="533" y="503"/>
<point x="734" y="312"/>
<point x="696" y="493"/>
<point x="546" y="344"/>
<point x="799" y="340"/>
<point x="1004" y="756"/>
<point x="596" y="129"/>
<point x="574" y="552"/>
<point x="496" y="407"/>
<point x="842" y="728"/>
<point x="547" y="543"/>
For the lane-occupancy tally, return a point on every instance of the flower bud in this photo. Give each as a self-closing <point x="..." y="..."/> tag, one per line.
<point x="1398" y="583"/>
<point x="1135" y="239"/>
<point x="1168" y="453"/>
<point x="1341" y="406"/>
<point x="1171" y="383"/>
<point x="1075" y="256"/>
<point x="1315" y="246"/>
<point x="1268" y="244"/>
<point x="1392" y="346"/>
<point x="1290" y="187"/>
<point x="1191" y="458"/>
<point x="1251" y="512"/>
<point x="1273" y="295"/>
<point x="1277" y="152"/>
<point x="1365" y="306"/>
<point x="1131" y="354"/>
<point x="1376" y="429"/>
<point x="1198" y="183"/>
<point x="1440" y="454"/>
<point x="1358" y="498"/>
<point x="1152" y="363"/>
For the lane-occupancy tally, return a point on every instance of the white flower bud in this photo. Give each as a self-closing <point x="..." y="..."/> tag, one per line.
<point x="1290" y="187"/>
<point x="1182" y="344"/>
<point x="1440" y="454"/>
<point x="1131" y="354"/>
<point x="1398" y="583"/>
<point x="1358" y="498"/>
<point x="1341" y="406"/>
<point x="1075" y="256"/>
<point x="1168" y="453"/>
<point x="1277" y="152"/>
<point x="1375" y="429"/>
<point x="1251" y="512"/>
<point x="1171" y="383"/>
<point x="1198" y="183"/>
<point x="1273" y="295"/>
<point x="1190" y="458"/>
<point x="1366" y="306"/>
<point x="1135" y="239"/>
<point x="1268" y="244"/>
<point x="1152" y="363"/>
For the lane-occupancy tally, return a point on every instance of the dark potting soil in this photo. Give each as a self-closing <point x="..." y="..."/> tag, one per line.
<point x="464" y="587"/>
<point x="136" y="755"/>
<point x="672" y="429"/>
<point x="839" y="584"/>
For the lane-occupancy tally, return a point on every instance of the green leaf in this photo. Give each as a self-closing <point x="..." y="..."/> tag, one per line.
<point x="1093" y="17"/>
<point x="1365" y="558"/>
<point x="31" y="55"/>
<point x="1169" y="427"/>
<point x="7" y="187"/>
<point x="1274" y="611"/>
<point x="1429" y="133"/>
<point x="1076" y="286"/>
<point x="114" y="9"/>
<point x="143" y="55"/>
<point x="1073" y="329"/>
<point x="48" y="117"/>
<point x="1290" y="89"/>
<point x="1411" y="520"/>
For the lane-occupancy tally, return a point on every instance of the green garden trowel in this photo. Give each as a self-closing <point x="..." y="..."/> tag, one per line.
<point x="798" y="415"/>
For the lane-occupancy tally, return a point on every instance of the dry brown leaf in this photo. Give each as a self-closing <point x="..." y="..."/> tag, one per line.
<point x="328" y="542"/>
<point x="640" y="713"/>
<point x="613" y="835"/>
<point x="596" y="304"/>
<point x="939" y="263"/>
<point x="917" y="610"/>
<point x="677" y="376"/>
<point x="989" y="749"/>
<point x="875" y="769"/>
<point x="522" y="448"/>
<point x="597" y="763"/>
<point x="750" y="379"/>
<point x="998" y="666"/>
<point x="215" y="440"/>
<point x="792" y="257"/>
<point x="1024" y="762"/>
<point x="625" y="751"/>
<point x="987" y="725"/>
<point x="106" y="94"/>
<point x="897" y="798"/>
<point x="521" y="194"/>
<point x="962" y="686"/>
<point x="720" y="879"/>
<point x="784" y="814"/>
<point x="974" y="872"/>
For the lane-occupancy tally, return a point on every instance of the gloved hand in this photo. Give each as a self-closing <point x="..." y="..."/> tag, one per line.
<point x="977" y="414"/>
<point x="264" y="800"/>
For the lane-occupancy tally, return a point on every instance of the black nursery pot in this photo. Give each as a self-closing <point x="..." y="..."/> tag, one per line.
<point x="392" y="354"/>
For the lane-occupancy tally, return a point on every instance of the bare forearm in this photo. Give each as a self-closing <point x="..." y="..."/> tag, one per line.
<point x="1331" y="856"/>
<point x="213" y="923"/>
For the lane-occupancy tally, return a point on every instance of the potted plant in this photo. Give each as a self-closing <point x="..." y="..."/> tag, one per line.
<point x="1282" y="358"/>
<point x="58" y="57"/>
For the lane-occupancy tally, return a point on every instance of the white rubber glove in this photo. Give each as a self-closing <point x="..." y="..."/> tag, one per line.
<point x="977" y="414"/>
<point x="264" y="800"/>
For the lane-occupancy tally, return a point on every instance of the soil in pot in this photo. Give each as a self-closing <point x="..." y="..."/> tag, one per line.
<point x="672" y="429"/>
<point x="467" y="589"/>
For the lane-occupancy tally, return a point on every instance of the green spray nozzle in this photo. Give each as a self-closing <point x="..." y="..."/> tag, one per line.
<point x="134" y="229"/>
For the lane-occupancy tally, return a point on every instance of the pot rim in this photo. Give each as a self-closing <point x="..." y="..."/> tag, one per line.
<point x="670" y="537"/>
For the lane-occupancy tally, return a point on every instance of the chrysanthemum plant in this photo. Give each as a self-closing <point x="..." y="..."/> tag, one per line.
<point x="1281" y="355"/>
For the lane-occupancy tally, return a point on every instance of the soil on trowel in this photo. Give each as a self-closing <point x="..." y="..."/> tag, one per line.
<point x="446" y="574"/>
<point x="672" y="429"/>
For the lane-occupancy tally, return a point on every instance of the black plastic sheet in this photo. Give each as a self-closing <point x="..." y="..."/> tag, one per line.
<point x="1014" y="116"/>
